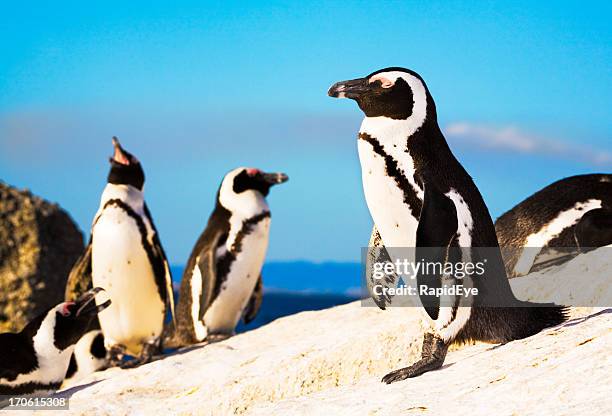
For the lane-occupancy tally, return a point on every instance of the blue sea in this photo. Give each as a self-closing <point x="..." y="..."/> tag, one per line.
<point x="292" y="287"/>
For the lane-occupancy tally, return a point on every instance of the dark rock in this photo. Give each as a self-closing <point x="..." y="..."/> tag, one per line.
<point x="39" y="243"/>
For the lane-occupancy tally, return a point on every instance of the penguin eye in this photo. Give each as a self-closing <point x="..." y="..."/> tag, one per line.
<point x="384" y="82"/>
<point x="64" y="308"/>
<point x="252" y="171"/>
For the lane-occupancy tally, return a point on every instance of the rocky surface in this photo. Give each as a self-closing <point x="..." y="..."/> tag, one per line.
<point x="39" y="243"/>
<point x="330" y="362"/>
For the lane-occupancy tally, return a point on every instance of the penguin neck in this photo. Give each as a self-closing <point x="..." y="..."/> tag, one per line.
<point x="243" y="205"/>
<point x="126" y="193"/>
<point x="247" y="209"/>
<point x="413" y="140"/>
<point x="390" y="131"/>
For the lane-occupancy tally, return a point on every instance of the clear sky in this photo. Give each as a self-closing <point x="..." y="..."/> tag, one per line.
<point x="195" y="89"/>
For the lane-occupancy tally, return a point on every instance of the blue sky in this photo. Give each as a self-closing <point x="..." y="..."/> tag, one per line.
<point x="195" y="89"/>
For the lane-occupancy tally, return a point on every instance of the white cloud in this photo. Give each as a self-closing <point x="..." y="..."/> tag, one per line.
<point x="512" y="139"/>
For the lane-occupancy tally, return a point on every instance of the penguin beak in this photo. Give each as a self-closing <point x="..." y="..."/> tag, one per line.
<point x="86" y="305"/>
<point x="349" y="89"/>
<point x="119" y="154"/>
<point x="274" y="178"/>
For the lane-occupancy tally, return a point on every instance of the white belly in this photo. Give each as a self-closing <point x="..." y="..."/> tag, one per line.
<point x="120" y="265"/>
<point x="393" y="218"/>
<point x="225" y="311"/>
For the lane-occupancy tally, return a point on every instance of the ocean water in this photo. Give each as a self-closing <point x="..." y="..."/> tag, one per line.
<point x="297" y="286"/>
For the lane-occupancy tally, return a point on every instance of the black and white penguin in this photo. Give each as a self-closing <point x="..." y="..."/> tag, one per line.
<point x="420" y="196"/>
<point x="574" y="212"/>
<point x="35" y="360"/>
<point x="222" y="280"/>
<point x="89" y="356"/>
<point x="126" y="258"/>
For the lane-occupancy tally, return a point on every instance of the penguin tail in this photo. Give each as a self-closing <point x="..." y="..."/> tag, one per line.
<point x="532" y="318"/>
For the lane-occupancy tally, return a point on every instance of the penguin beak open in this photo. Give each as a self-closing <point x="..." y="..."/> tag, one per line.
<point x="349" y="89"/>
<point x="86" y="305"/>
<point x="274" y="178"/>
<point x="119" y="155"/>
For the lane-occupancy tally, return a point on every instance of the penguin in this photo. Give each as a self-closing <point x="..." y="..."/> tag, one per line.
<point x="35" y="360"/>
<point x="420" y="196"/>
<point x="222" y="281"/>
<point x="89" y="356"/>
<point x="125" y="257"/>
<point x="556" y="223"/>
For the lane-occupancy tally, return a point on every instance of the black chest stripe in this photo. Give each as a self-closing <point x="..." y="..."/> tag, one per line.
<point x="392" y="169"/>
<point x="155" y="260"/>
<point x="224" y="262"/>
<point x="246" y="229"/>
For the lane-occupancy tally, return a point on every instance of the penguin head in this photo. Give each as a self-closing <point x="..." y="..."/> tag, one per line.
<point x="63" y="325"/>
<point x="252" y="179"/>
<point x="125" y="168"/>
<point x="396" y="93"/>
<point x="244" y="187"/>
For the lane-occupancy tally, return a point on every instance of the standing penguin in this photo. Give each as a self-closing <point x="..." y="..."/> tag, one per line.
<point x="125" y="257"/>
<point x="556" y="223"/>
<point x="222" y="279"/>
<point x="35" y="360"/>
<point x="420" y="196"/>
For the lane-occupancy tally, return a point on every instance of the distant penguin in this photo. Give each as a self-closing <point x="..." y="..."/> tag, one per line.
<point x="89" y="356"/>
<point x="222" y="280"/>
<point x="35" y="360"/>
<point x="556" y="223"/>
<point x="421" y="197"/>
<point x="126" y="258"/>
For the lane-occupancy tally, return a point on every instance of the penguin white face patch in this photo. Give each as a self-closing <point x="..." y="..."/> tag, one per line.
<point x="384" y="82"/>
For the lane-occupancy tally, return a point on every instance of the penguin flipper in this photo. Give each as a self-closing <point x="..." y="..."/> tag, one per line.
<point x="377" y="253"/>
<point x="79" y="279"/>
<point x="163" y="276"/>
<point x="437" y="228"/>
<point x="250" y="312"/>
<point x="208" y="269"/>
<point x="16" y="356"/>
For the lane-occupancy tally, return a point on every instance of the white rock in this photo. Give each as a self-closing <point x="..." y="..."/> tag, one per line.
<point x="330" y="363"/>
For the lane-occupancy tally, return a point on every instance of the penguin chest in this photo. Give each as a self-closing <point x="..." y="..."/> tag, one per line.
<point x="237" y="286"/>
<point x="385" y="198"/>
<point x="121" y="266"/>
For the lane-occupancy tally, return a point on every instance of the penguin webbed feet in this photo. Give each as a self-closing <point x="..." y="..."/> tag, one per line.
<point x="115" y="355"/>
<point x="213" y="338"/>
<point x="432" y="357"/>
<point x="149" y="350"/>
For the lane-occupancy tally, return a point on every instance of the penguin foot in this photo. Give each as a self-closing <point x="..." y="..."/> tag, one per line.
<point x="432" y="358"/>
<point x="146" y="355"/>
<point x="212" y="338"/>
<point x="115" y="355"/>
